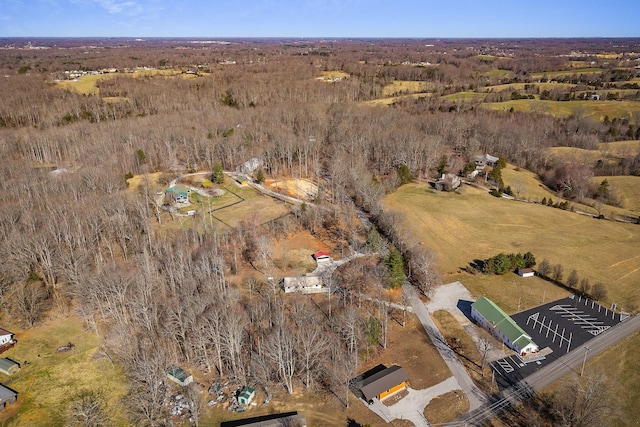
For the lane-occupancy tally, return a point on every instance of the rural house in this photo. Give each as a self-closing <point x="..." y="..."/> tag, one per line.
<point x="7" y="396"/>
<point x="246" y="396"/>
<point x="384" y="383"/>
<point x="249" y="166"/>
<point x="179" y="376"/>
<point x="8" y="366"/>
<point x="179" y="193"/>
<point x="6" y="340"/>
<point x="526" y="272"/>
<point x="485" y="160"/>
<point x="491" y="317"/>
<point x="447" y="182"/>
<point x="303" y="284"/>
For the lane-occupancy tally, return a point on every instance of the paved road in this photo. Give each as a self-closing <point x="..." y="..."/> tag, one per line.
<point x="476" y="398"/>
<point x="545" y="376"/>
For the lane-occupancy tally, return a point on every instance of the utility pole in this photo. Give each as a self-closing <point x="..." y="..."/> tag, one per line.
<point x="584" y="361"/>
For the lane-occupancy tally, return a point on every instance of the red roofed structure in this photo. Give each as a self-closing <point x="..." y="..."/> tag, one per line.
<point x="321" y="256"/>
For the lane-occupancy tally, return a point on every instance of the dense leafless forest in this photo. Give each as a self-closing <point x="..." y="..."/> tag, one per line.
<point x="75" y="242"/>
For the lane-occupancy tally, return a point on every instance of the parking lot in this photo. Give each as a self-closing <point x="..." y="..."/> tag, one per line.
<point x="562" y="326"/>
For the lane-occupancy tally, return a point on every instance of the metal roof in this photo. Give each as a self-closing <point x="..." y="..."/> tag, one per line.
<point x="383" y="381"/>
<point x="6" y="393"/>
<point x="500" y="320"/>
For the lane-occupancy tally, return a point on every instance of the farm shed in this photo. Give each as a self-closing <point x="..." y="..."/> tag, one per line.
<point x="7" y="396"/>
<point x="8" y="366"/>
<point x="491" y="317"/>
<point x="321" y="256"/>
<point x="6" y="340"/>
<point x="384" y="383"/>
<point x="179" y="375"/>
<point x="6" y="337"/>
<point x="485" y="159"/>
<point x="526" y="272"/>
<point x="291" y="419"/>
<point x="304" y="284"/>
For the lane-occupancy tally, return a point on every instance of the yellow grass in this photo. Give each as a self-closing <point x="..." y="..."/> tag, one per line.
<point x="394" y="99"/>
<point x="525" y="184"/>
<point x="520" y="86"/>
<point x="446" y="407"/>
<point x="151" y="178"/>
<point x="573" y="154"/>
<point x="627" y="187"/>
<point x="299" y="188"/>
<point x="50" y="381"/>
<point x="464" y="96"/>
<point x="475" y="225"/>
<point x="564" y="73"/>
<point x="594" y="109"/>
<point x="87" y="85"/>
<point x="620" y="148"/>
<point x="399" y="87"/>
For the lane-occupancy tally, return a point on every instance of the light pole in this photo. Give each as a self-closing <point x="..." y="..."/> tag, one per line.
<point x="586" y="351"/>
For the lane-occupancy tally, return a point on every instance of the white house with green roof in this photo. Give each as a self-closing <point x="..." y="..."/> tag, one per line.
<point x="491" y="317"/>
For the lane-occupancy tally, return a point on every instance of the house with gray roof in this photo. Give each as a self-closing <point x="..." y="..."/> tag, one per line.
<point x="491" y="317"/>
<point x="384" y="383"/>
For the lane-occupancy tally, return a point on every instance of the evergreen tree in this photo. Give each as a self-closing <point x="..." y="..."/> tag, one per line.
<point x="395" y="267"/>
<point x="218" y="174"/>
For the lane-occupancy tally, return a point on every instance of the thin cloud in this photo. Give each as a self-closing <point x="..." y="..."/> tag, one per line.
<point x="117" y="7"/>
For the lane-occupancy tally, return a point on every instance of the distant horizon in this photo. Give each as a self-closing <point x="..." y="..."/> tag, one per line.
<point x="313" y="19"/>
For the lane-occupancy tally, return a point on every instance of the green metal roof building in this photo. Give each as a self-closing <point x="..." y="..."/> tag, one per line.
<point x="491" y="317"/>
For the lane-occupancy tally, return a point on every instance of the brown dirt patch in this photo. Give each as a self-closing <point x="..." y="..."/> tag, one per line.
<point x="446" y="407"/>
<point x="395" y="398"/>
<point x="298" y="188"/>
<point x="411" y="348"/>
<point x="293" y="255"/>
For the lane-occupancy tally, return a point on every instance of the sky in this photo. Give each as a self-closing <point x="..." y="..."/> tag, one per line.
<point x="319" y="18"/>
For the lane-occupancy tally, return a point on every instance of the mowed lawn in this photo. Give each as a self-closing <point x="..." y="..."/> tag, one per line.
<point x="48" y="381"/>
<point x="475" y="225"/>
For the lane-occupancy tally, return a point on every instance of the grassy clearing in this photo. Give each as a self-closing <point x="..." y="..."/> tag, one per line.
<point x="621" y="365"/>
<point x="464" y="96"/>
<point x="620" y="148"/>
<point x="521" y="86"/>
<point x="627" y="187"/>
<point x="50" y="381"/>
<point x="87" y="85"/>
<point x="406" y="87"/>
<point x="564" y="73"/>
<point x="255" y="209"/>
<point x="578" y="155"/>
<point x="525" y="184"/>
<point x="446" y="407"/>
<point x="394" y="99"/>
<point x="597" y="110"/>
<point x="475" y="225"/>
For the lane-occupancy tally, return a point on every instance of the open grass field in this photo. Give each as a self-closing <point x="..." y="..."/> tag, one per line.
<point x="50" y="381"/>
<point x="621" y="365"/>
<point x="87" y="85"/>
<point x="627" y="187"/>
<point x="620" y="148"/>
<point x="298" y="188"/>
<point x="525" y="184"/>
<point x="520" y="86"/>
<point x="475" y="225"/>
<point x="393" y="99"/>
<point x="578" y="155"/>
<point x="564" y="73"/>
<point x="498" y="73"/>
<point x="464" y="96"/>
<point x="399" y="87"/>
<point x="597" y="110"/>
<point x="256" y="208"/>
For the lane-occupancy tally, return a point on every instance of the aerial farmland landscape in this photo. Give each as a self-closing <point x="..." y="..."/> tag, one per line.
<point x="369" y="222"/>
